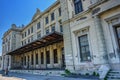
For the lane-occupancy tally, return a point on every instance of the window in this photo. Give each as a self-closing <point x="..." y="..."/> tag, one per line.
<point x="39" y="35"/>
<point x="48" y="57"/>
<point x="61" y="27"/>
<point x="78" y="6"/>
<point x="42" y="58"/>
<point x="28" y="31"/>
<point x="25" y="34"/>
<point x="47" y="30"/>
<point x="32" y="59"/>
<point x="59" y="10"/>
<point x="55" y="56"/>
<point x="38" y="25"/>
<point x="36" y="58"/>
<point x="117" y="29"/>
<point x="24" y="42"/>
<point x="28" y="40"/>
<point x="53" y="28"/>
<point x="31" y="38"/>
<point x="84" y="48"/>
<point x="52" y="16"/>
<point x="46" y="20"/>
<point x="32" y="29"/>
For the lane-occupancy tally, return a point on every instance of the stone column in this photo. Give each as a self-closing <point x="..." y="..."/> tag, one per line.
<point x="51" y="56"/>
<point x="39" y="57"/>
<point x="45" y="63"/>
<point x="102" y="51"/>
<point x="59" y="54"/>
<point x="34" y="59"/>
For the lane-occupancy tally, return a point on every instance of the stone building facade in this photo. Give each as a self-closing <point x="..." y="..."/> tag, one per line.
<point x="79" y="35"/>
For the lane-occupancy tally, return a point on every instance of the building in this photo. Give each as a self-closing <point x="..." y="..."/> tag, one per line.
<point x="79" y="35"/>
<point x="91" y="34"/>
<point x="0" y="62"/>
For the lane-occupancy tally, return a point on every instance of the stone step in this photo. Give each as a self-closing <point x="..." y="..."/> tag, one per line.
<point x="113" y="74"/>
<point x="113" y="77"/>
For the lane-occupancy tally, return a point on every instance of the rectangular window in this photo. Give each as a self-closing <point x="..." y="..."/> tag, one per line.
<point x="117" y="29"/>
<point x="25" y="34"/>
<point x="28" y="40"/>
<point x="59" y="10"/>
<point x="38" y="25"/>
<point x="55" y="56"/>
<point x="32" y="59"/>
<point x="42" y="58"/>
<point x="48" y="57"/>
<point x="46" y="20"/>
<point x="78" y="6"/>
<point x="28" y="31"/>
<point x="61" y="27"/>
<point x="47" y="30"/>
<point x="36" y="58"/>
<point x="38" y="34"/>
<point x="52" y="16"/>
<point x="84" y="48"/>
<point x="31" y="38"/>
<point x="32" y="29"/>
<point x="53" y="28"/>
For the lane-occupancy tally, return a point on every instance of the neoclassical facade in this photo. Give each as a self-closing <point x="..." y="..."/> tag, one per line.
<point x="79" y="35"/>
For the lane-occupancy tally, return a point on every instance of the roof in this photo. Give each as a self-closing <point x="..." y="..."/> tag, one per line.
<point x="46" y="40"/>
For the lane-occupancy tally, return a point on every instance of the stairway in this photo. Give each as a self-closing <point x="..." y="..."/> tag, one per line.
<point x="113" y="75"/>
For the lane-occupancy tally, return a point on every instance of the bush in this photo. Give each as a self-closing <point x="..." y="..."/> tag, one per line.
<point x="95" y="74"/>
<point x="87" y="74"/>
<point x="67" y="72"/>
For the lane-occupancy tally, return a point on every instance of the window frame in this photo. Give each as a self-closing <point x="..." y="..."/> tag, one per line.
<point x="78" y="7"/>
<point x="80" y="50"/>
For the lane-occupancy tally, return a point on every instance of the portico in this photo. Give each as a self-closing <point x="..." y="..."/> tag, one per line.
<point x="44" y="53"/>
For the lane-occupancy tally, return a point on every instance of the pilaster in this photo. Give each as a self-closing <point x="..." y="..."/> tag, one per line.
<point x="102" y="57"/>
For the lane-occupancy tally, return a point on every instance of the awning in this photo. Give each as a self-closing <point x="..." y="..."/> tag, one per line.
<point x="46" y="40"/>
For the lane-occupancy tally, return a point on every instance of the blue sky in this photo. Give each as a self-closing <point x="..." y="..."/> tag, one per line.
<point x="19" y="12"/>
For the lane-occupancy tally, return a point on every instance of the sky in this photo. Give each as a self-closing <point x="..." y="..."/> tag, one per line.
<point x="19" y="12"/>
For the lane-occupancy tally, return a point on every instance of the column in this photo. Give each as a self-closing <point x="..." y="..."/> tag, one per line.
<point x="59" y="54"/>
<point x="51" y="56"/>
<point x="45" y="63"/>
<point x="34" y="59"/>
<point x="102" y="53"/>
<point x="39" y="57"/>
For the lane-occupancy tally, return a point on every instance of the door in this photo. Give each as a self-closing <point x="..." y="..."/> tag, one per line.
<point x="28" y="62"/>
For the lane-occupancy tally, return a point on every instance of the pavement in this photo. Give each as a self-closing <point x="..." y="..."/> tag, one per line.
<point x="19" y="76"/>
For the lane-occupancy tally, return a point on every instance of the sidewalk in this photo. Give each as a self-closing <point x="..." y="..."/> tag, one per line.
<point x="18" y="76"/>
